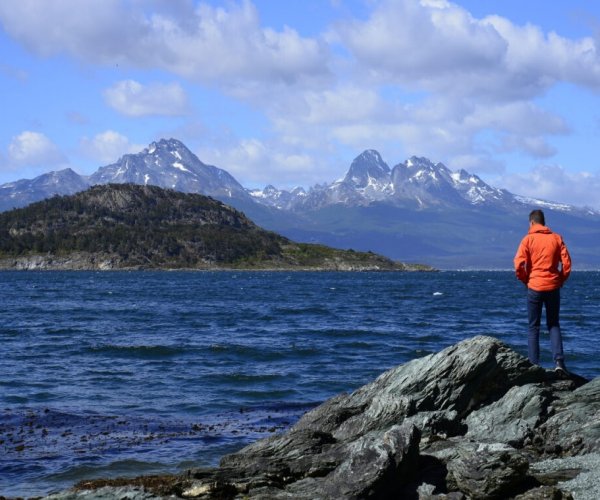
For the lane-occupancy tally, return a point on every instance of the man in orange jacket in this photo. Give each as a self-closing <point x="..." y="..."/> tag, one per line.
<point x="543" y="263"/>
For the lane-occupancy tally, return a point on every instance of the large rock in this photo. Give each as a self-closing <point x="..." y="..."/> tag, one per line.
<point x="455" y="381"/>
<point x="487" y="470"/>
<point x="575" y="427"/>
<point x="511" y="419"/>
<point x="471" y="421"/>
<point x="348" y="438"/>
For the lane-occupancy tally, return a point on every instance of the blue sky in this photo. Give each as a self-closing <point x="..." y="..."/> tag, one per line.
<point x="288" y="93"/>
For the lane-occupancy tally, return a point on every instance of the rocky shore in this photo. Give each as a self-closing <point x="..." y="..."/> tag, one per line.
<point x="475" y="420"/>
<point x="84" y="261"/>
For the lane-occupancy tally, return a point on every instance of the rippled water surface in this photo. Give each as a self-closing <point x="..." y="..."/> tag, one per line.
<point x="111" y="374"/>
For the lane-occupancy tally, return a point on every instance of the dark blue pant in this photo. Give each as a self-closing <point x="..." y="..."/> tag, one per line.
<point x="535" y="303"/>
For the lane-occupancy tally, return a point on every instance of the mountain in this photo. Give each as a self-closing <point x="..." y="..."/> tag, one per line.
<point x="170" y="164"/>
<point x="421" y="211"/>
<point x="417" y="183"/>
<point x="131" y="226"/>
<point x="166" y="163"/>
<point x="417" y="211"/>
<point x="24" y="192"/>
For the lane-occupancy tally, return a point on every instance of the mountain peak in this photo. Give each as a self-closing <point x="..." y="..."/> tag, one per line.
<point x="368" y="168"/>
<point x="419" y="162"/>
<point x="165" y="144"/>
<point x="170" y="164"/>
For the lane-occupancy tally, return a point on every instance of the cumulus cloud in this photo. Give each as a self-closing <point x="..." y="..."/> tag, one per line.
<point x="410" y="40"/>
<point x="255" y="163"/>
<point x="440" y="46"/>
<point x="555" y="183"/>
<point x="204" y="43"/>
<point x="131" y="98"/>
<point x="33" y="149"/>
<point x="108" y="147"/>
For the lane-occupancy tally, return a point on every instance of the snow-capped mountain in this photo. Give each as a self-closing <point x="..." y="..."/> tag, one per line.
<point x="369" y="174"/>
<point x="416" y="183"/>
<point x="26" y="191"/>
<point x="166" y="163"/>
<point x="273" y="197"/>
<point x="170" y="164"/>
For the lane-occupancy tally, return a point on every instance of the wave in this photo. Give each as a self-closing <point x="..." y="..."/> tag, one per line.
<point x="139" y="351"/>
<point x="248" y="352"/>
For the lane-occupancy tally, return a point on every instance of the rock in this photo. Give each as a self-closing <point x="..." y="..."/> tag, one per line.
<point x="459" y="379"/>
<point x="578" y="475"/>
<point x="488" y="470"/>
<point x="476" y="420"/>
<point x="378" y="465"/>
<point x="574" y="429"/>
<point x="512" y="418"/>
<point x="545" y="493"/>
<point x="107" y="493"/>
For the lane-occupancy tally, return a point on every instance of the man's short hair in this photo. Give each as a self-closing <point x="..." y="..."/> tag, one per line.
<point x="537" y="216"/>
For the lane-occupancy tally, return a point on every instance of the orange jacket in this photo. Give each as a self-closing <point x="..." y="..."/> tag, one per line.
<point x="538" y="258"/>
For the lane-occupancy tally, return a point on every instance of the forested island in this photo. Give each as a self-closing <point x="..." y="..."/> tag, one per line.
<point x="126" y="226"/>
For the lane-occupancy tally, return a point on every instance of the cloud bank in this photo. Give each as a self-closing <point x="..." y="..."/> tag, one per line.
<point x="421" y="77"/>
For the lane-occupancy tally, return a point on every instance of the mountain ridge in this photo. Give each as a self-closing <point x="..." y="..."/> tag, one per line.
<point x="415" y="211"/>
<point x="169" y="163"/>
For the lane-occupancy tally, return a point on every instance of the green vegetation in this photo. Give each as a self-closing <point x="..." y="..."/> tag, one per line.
<point x="149" y="227"/>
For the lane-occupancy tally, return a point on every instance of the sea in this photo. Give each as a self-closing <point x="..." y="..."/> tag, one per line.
<point x="112" y="374"/>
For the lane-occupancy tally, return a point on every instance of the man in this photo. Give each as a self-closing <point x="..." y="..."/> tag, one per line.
<point x="543" y="263"/>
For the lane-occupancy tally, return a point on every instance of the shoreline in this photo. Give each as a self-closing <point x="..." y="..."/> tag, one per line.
<point x="475" y="419"/>
<point x="94" y="263"/>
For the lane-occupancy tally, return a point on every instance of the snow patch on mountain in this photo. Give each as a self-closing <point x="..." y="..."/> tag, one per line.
<point x="563" y="207"/>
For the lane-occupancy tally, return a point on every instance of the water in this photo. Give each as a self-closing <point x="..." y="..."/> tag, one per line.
<point x="120" y="374"/>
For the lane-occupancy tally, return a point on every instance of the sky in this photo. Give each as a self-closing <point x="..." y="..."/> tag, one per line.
<point x="289" y="93"/>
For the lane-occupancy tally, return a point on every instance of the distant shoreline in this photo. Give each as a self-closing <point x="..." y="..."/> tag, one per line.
<point x="409" y="268"/>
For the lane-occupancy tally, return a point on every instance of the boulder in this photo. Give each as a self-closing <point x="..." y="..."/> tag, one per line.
<point x="487" y="470"/>
<point x="511" y="419"/>
<point x="574" y="429"/>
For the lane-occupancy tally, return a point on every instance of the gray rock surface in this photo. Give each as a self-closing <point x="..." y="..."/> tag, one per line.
<point x="575" y="427"/>
<point x="512" y="418"/>
<point x="487" y="470"/>
<point x="475" y="420"/>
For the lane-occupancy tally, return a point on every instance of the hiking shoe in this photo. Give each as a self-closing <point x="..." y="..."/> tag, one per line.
<point x="560" y="366"/>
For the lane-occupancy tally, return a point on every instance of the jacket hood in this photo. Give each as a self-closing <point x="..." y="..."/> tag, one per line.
<point x="538" y="228"/>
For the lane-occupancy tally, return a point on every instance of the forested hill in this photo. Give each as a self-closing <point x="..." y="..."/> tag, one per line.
<point x="131" y="226"/>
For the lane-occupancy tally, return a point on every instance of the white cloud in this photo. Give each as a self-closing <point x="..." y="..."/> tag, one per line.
<point x="412" y="77"/>
<point x="476" y="163"/>
<point x="204" y="43"/>
<point x="33" y="149"/>
<point x="554" y="183"/>
<point x="408" y="41"/>
<point x="131" y="98"/>
<point x="255" y="163"/>
<point x="107" y="147"/>
<point x="441" y="47"/>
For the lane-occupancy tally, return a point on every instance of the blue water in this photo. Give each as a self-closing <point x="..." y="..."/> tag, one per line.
<point x="120" y="374"/>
